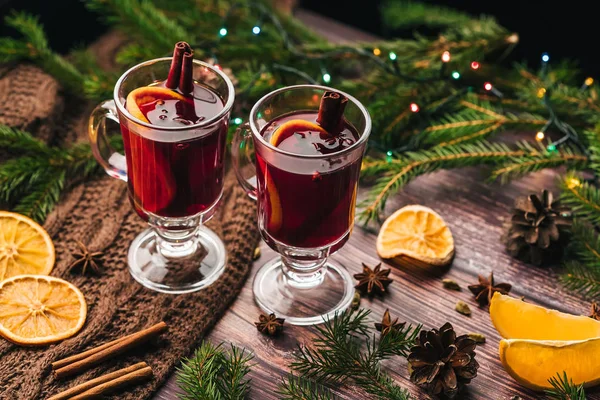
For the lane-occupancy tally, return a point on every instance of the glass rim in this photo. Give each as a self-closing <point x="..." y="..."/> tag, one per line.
<point x="363" y="138"/>
<point x="227" y="107"/>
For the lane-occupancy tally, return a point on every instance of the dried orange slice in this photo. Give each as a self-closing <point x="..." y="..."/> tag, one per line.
<point x="288" y="128"/>
<point x="25" y="247"/>
<point x="37" y="309"/>
<point x="418" y="233"/>
<point x="515" y="319"/>
<point x="148" y="94"/>
<point x="533" y="362"/>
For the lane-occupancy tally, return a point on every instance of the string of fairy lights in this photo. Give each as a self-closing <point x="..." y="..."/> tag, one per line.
<point x="392" y="66"/>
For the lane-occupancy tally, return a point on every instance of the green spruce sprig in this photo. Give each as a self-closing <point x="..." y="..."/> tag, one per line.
<point x="345" y="350"/>
<point x="31" y="183"/>
<point x="299" y="388"/>
<point x="563" y="388"/>
<point x="215" y="373"/>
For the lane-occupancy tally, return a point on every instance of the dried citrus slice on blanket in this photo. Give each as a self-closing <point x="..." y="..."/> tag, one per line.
<point x="533" y="362"/>
<point x="416" y="232"/>
<point x="37" y="309"/>
<point x="25" y="247"/>
<point x="515" y="319"/>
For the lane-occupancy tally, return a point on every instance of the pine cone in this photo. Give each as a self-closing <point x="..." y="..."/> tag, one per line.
<point x="538" y="231"/>
<point x="442" y="362"/>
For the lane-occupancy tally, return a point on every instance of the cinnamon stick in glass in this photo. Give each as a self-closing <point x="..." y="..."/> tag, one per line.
<point x="176" y="64"/>
<point x="110" y="352"/>
<point x="67" y="394"/>
<point x="186" y="82"/>
<point x="331" y="111"/>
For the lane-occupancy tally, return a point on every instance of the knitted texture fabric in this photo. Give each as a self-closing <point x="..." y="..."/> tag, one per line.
<point x="98" y="214"/>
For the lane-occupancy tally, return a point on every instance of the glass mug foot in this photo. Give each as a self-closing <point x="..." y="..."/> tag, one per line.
<point x="191" y="267"/>
<point x="310" y="304"/>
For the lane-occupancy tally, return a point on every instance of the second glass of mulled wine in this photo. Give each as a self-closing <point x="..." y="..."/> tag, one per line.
<point x="300" y="157"/>
<point x="174" y="115"/>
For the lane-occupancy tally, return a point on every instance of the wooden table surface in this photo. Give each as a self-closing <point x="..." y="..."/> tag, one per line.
<point x="475" y="212"/>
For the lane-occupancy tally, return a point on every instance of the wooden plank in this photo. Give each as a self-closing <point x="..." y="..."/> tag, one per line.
<point x="475" y="212"/>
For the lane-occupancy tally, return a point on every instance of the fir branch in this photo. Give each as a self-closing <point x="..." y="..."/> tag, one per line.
<point x="407" y="14"/>
<point x="34" y="47"/>
<point x="579" y="278"/>
<point x="42" y="196"/>
<point x="398" y="172"/>
<point x="585" y="244"/>
<point x="538" y="160"/>
<point x="213" y="373"/>
<point x="339" y="354"/>
<point x="563" y="388"/>
<point x="16" y="141"/>
<point x="299" y="388"/>
<point x="583" y="198"/>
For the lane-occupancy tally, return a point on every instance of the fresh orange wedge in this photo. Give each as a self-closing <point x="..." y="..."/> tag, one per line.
<point x="533" y="362"/>
<point x="37" y="309"/>
<point x="25" y="247"/>
<point x="418" y="233"/>
<point x="288" y="128"/>
<point x="148" y="94"/>
<point x="516" y="319"/>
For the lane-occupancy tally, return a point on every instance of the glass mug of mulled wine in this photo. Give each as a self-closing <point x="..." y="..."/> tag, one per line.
<point x="174" y="116"/>
<point x="300" y="155"/>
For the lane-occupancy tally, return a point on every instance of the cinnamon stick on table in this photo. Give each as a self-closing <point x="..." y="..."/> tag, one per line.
<point x="110" y="351"/>
<point x="331" y="111"/>
<point x="81" y="388"/>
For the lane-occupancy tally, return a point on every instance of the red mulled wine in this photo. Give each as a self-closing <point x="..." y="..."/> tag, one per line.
<point x="174" y="173"/>
<point x="307" y="209"/>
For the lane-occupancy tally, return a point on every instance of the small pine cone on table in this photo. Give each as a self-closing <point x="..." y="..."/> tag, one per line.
<point x="539" y="229"/>
<point x="441" y="362"/>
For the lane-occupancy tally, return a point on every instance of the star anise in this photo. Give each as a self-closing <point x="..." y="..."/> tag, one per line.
<point x="373" y="280"/>
<point x="595" y="311"/>
<point x="387" y="325"/>
<point x="486" y="288"/>
<point x="270" y="325"/>
<point x="86" y="259"/>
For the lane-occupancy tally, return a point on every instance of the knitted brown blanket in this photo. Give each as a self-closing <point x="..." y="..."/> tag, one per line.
<point x="98" y="214"/>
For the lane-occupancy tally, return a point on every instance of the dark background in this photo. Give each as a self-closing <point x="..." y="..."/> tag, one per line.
<point x="569" y="29"/>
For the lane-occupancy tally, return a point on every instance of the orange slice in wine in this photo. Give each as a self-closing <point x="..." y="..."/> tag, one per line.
<point x="288" y="128"/>
<point x="148" y="94"/>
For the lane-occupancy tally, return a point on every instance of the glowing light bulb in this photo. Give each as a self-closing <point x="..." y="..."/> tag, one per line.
<point x="487" y="86"/>
<point x="573" y="183"/>
<point x="589" y="81"/>
<point x="545" y="57"/>
<point x="389" y="153"/>
<point x="326" y="78"/>
<point x="377" y="51"/>
<point x="540" y="136"/>
<point x="446" y="56"/>
<point x="237" y="120"/>
<point x="551" y="148"/>
<point x="541" y="92"/>
<point x="256" y="30"/>
<point x="223" y="32"/>
<point x="218" y="66"/>
<point x="455" y="74"/>
<point x="393" y="56"/>
<point x="475" y="65"/>
<point x="414" y="107"/>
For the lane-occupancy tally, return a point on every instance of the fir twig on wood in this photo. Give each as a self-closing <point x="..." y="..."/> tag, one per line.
<point x="345" y="350"/>
<point x="563" y="388"/>
<point x="215" y="373"/>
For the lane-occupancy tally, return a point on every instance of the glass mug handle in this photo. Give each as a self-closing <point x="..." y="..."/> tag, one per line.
<point x="242" y="150"/>
<point x="113" y="162"/>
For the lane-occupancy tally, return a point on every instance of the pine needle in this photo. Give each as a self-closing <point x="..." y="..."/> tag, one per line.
<point x="214" y="373"/>
<point x="563" y="388"/>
